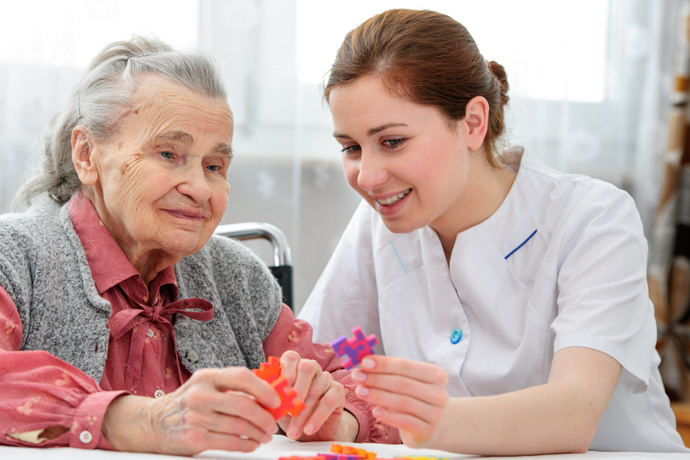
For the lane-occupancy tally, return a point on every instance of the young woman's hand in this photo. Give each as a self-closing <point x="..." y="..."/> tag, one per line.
<point x="408" y="395"/>
<point x="324" y="418"/>
<point x="215" y="409"/>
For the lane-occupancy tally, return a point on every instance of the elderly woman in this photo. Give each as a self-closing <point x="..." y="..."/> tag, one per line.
<point x="125" y="324"/>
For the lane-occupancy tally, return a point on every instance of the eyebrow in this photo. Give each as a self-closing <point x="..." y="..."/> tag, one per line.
<point x="372" y="131"/>
<point x="188" y="139"/>
<point x="224" y="149"/>
<point x="175" y="136"/>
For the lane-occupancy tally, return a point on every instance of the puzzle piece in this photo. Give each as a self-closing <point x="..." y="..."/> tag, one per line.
<point x="269" y="371"/>
<point x="289" y="402"/>
<point x="302" y="457"/>
<point x="349" y="450"/>
<point x="340" y="457"/>
<point x="354" y="348"/>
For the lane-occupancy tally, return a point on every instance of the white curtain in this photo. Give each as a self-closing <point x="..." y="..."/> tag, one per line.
<point x="274" y="53"/>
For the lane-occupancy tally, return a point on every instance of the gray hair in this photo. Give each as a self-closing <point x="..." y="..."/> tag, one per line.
<point x="101" y="97"/>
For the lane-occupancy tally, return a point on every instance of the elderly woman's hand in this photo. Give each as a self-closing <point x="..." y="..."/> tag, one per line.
<point x="324" y="418"/>
<point x="215" y="409"/>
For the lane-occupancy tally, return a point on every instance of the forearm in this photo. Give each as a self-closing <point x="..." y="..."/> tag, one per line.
<point x="551" y="418"/>
<point x="48" y="403"/>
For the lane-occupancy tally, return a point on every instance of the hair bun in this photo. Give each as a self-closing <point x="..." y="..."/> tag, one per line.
<point x="500" y="74"/>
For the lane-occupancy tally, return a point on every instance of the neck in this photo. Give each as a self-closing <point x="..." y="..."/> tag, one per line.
<point x="486" y="189"/>
<point x="149" y="262"/>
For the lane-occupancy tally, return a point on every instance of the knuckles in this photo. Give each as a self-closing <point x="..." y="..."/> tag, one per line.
<point x="335" y="395"/>
<point x="308" y="366"/>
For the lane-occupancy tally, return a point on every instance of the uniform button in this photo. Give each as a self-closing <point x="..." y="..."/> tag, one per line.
<point x="159" y="393"/>
<point x="149" y="333"/>
<point x="85" y="437"/>
<point x="456" y="336"/>
<point x="192" y="356"/>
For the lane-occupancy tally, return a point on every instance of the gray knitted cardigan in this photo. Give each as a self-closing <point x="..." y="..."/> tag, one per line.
<point x="44" y="269"/>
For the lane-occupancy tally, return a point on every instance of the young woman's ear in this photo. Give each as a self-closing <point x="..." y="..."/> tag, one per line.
<point x="83" y="155"/>
<point x="476" y="122"/>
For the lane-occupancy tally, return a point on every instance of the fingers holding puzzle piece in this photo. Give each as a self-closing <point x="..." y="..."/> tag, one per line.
<point x="289" y="402"/>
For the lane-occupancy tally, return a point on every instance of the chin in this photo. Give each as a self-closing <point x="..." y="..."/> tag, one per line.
<point x="184" y="245"/>
<point x="401" y="227"/>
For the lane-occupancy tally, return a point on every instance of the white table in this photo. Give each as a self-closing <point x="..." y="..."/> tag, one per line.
<point x="281" y="446"/>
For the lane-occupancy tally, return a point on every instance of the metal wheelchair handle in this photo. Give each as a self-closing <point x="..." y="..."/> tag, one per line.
<point x="253" y="230"/>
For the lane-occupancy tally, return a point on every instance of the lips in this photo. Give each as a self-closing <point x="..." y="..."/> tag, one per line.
<point x="393" y="198"/>
<point x="191" y="214"/>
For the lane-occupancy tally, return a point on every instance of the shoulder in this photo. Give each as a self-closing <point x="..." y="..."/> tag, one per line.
<point x="227" y="254"/>
<point x="35" y="221"/>
<point x="30" y="243"/>
<point x="554" y="198"/>
<point x="232" y="267"/>
<point x="36" y="227"/>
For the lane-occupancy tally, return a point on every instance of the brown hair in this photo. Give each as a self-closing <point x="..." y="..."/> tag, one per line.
<point x="428" y="58"/>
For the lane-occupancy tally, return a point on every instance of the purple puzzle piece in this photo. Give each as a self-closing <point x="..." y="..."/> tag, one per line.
<point x="354" y="348"/>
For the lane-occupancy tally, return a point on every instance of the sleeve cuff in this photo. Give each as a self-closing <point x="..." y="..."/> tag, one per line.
<point x="85" y="431"/>
<point x="634" y="378"/>
<point x="363" y="435"/>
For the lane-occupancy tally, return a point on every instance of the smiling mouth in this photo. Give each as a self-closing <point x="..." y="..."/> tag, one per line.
<point x="181" y="214"/>
<point x="394" y="199"/>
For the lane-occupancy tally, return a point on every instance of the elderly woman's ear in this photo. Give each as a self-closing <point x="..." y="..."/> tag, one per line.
<point x="83" y="155"/>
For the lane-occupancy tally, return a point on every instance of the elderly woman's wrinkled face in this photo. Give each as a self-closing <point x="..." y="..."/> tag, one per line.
<point x="162" y="182"/>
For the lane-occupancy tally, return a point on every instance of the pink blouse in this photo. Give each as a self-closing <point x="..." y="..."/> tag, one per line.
<point x="40" y="392"/>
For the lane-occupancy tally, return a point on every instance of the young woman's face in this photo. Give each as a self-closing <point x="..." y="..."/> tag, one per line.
<point x="406" y="159"/>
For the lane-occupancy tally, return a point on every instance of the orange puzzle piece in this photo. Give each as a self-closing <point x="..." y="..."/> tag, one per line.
<point x="289" y="402"/>
<point x="269" y="371"/>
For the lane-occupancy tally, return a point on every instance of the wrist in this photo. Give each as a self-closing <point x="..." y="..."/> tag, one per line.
<point x="445" y="435"/>
<point x="127" y="424"/>
<point x="349" y="427"/>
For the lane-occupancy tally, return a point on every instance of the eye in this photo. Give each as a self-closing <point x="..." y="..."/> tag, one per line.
<point x="394" y="143"/>
<point x="216" y="165"/>
<point x="351" y="149"/>
<point x="167" y="155"/>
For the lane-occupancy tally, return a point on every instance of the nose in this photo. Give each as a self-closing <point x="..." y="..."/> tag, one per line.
<point x="372" y="172"/>
<point x="194" y="184"/>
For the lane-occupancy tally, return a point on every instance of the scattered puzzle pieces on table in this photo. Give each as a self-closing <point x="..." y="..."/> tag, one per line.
<point x="302" y="457"/>
<point x="289" y="402"/>
<point x="354" y="348"/>
<point x="349" y="450"/>
<point x="342" y="452"/>
<point x="332" y="456"/>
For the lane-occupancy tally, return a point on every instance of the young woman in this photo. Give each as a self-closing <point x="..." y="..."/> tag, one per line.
<point x="510" y="299"/>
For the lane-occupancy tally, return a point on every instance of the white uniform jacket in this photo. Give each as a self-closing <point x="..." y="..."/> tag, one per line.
<point x="561" y="263"/>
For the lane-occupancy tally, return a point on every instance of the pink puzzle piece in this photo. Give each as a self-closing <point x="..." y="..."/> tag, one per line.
<point x="354" y="348"/>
